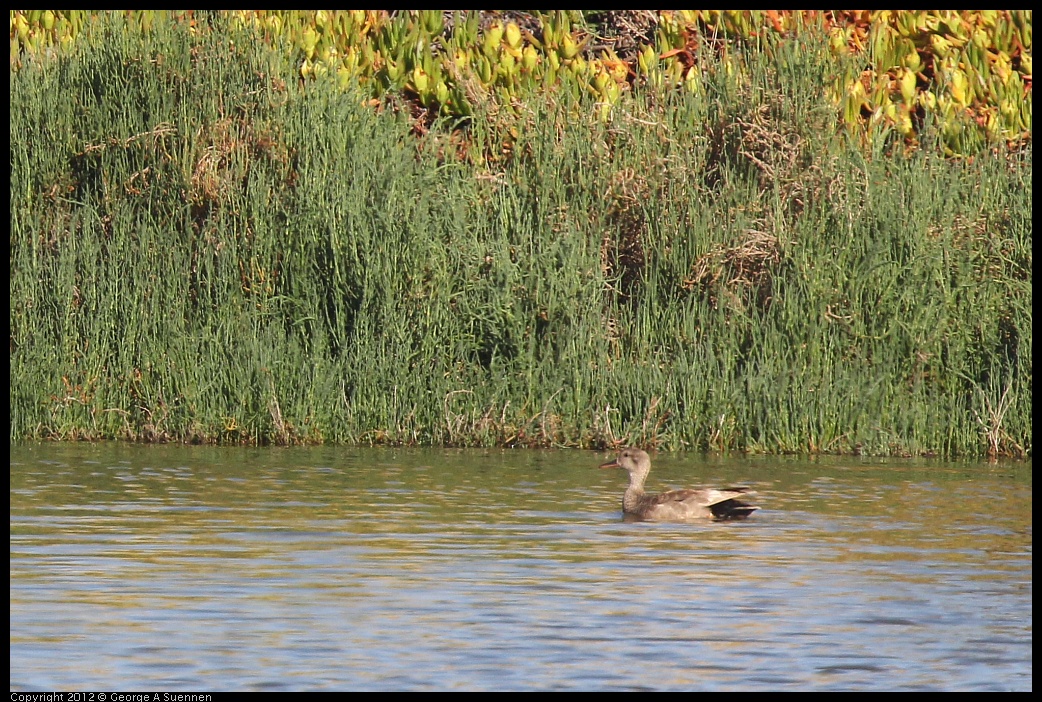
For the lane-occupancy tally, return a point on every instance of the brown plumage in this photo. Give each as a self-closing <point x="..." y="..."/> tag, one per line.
<point x="677" y="505"/>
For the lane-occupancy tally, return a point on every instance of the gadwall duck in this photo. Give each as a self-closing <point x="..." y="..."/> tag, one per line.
<point x="677" y="505"/>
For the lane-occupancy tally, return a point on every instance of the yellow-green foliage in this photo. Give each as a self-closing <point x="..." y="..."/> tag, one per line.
<point x="969" y="71"/>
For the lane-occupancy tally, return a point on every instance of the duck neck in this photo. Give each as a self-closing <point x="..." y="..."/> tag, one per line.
<point x="634" y="493"/>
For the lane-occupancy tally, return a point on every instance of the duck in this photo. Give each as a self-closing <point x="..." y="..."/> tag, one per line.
<point x="677" y="505"/>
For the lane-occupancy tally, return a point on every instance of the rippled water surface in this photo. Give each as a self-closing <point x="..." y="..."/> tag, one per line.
<point x="197" y="568"/>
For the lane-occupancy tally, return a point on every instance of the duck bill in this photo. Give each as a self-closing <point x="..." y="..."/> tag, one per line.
<point x="611" y="464"/>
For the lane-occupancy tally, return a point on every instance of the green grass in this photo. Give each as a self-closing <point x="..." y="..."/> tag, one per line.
<point x="205" y="249"/>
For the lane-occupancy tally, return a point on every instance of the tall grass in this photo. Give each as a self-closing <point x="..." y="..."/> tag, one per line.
<point x="205" y="249"/>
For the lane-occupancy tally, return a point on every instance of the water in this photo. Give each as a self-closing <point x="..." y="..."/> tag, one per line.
<point x="195" y="568"/>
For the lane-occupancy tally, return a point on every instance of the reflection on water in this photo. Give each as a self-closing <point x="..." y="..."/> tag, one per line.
<point x="197" y="568"/>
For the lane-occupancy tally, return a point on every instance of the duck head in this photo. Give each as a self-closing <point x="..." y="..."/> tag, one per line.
<point x="633" y="460"/>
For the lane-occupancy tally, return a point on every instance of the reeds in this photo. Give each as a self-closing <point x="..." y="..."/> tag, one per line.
<point x="205" y="249"/>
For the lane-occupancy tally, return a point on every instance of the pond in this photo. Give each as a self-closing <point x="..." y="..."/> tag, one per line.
<point x="180" y="568"/>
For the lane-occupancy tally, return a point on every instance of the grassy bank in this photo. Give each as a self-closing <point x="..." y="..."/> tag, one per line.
<point x="205" y="248"/>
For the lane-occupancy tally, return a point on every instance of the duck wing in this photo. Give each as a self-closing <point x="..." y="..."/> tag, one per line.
<point x="706" y="497"/>
<point x="711" y="503"/>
